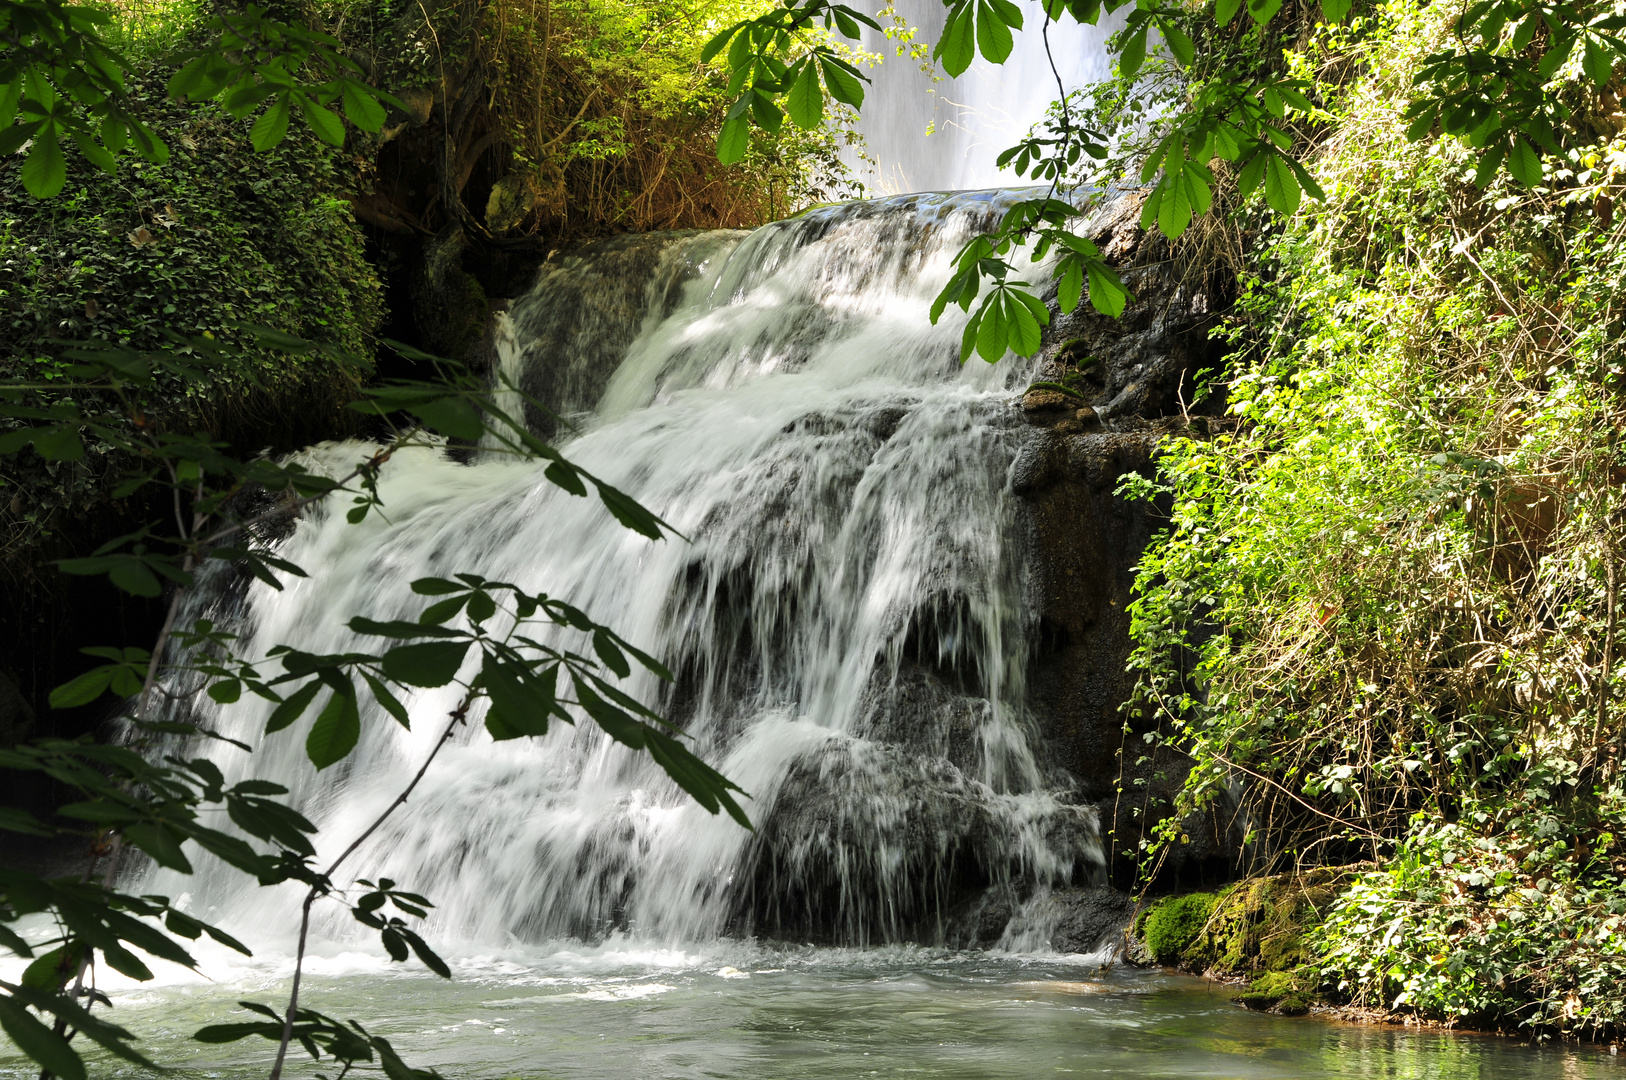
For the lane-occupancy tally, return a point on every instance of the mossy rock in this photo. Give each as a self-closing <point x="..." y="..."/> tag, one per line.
<point x="1287" y="993"/>
<point x="1260" y="926"/>
<point x="1254" y="926"/>
<point x="1172" y="927"/>
<point x="217" y="237"/>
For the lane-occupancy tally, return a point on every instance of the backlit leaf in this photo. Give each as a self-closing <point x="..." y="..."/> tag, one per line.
<point x="429" y="663"/>
<point x="336" y="731"/>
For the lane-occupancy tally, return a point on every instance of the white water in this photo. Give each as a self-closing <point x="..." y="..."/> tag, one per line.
<point x="926" y="135"/>
<point x="848" y="619"/>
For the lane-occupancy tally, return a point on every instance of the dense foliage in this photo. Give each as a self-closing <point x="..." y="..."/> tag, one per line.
<point x="1386" y="611"/>
<point x="217" y="236"/>
<point x="571" y="119"/>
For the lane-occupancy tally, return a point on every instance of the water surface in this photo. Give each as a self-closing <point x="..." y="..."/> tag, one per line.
<point x="741" y="1012"/>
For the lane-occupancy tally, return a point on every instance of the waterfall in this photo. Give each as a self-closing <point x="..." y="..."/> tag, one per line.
<point x="939" y="134"/>
<point x="848" y="618"/>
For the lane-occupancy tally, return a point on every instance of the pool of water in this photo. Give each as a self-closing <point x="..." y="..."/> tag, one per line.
<point x="623" y="1011"/>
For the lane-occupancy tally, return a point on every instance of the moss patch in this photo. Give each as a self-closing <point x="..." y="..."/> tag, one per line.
<point x="1172" y="928"/>
<point x="1282" y="992"/>
<point x="1255" y="927"/>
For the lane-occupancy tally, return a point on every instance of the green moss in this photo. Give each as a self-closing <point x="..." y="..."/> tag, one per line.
<point x="1173" y="926"/>
<point x="1279" y="991"/>
<point x="1258" y="925"/>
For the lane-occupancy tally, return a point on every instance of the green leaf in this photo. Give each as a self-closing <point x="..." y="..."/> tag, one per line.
<point x="364" y="110"/>
<point x="45" y="170"/>
<point x="629" y="512"/>
<point x="1107" y="292"/>
<point x="805" y="102"/>
<point x="1281" y="186"/>
<point x="958" y="46"/>
<point x="110" y="1037"/>
<point x="51" y="971"/>
<point x="1422" y="124"/>
<point x="400" y="629"/>
<point x="1133" y="54"/>
<point x="83" y="689"/>
<point x="993" y="334"/>
<point x="1524" y="163"/>
<point x="993" y="36"/>
<point x="271" y="126"/>
<point x="521" y="702"/>
<point x="226" y="691"/>
<point x="328" y="127"/>
<point x="1335" y="11"/>
<point x="844" y="85"/>
<point x="429" y="663"/>
<point x="1489" y="162"/>
<point x="1179" y="44"/>
<point x="389" y="701"/>
<point x="60" y="443"/>
<point x="617" y="724"/>
<point x="160" y="843"/>
<point x="426" y="954"/>
<point x="39" y="1042"/>
<point x="1558" y="52"/>
<point x="134" y="577"/>
<point x="1263" y="10"/>
<point x="437" y="613"/>
<point x="434" y="586"/>
<point x="1252" y="172"/>
<point x="293" y="707"/>
<point x="21" y="821"/>
<point x="336" y="731"/>
<point x="718" y="41"/>
<point x="734" y="139"/>
<point x="1526" y="31"/>
<point x="769" y="116"/>
<point x="561" y="475"/>
<point x="604" y="645"/>
<point x="95" y="153"/>
<point x="706" y="785"/>
<point x="1026" y="316"/>
<point x="451" y="416"/>
<point x="1174" y="211"/>
<point x="1225" y="10"/>
<point x="1070" y="286"/>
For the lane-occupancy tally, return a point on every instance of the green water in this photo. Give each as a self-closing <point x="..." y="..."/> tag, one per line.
<point x="811" y="1014"/>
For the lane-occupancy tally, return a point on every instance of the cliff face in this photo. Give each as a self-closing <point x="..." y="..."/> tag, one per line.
<point x="1131" y="382"/>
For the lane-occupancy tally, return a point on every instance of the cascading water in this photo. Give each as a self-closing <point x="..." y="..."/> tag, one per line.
<point x="925" y="132"/>
<point x="847" y="620"/>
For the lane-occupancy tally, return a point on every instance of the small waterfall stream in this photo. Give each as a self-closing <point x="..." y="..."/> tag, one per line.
<point x="848" y="619"/>
<point x="926" y="132"/>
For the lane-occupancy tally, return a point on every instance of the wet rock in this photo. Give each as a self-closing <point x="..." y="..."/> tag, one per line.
<point x="449" y="304"/>
<point x="16" y="715"/>
<point x="1135" y="374"/>
<point x="1040" y="406"/>
<point x="1089" y="920"/>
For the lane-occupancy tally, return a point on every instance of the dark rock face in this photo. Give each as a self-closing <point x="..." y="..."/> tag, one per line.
<point x="1119" y="386"/>
<point x="1087" y="920"/>
<point x="589" y="305"/>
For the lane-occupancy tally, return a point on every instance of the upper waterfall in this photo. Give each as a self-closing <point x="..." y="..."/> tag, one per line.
<point x="848" y="617"/>
<point x="926" y="132"/>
